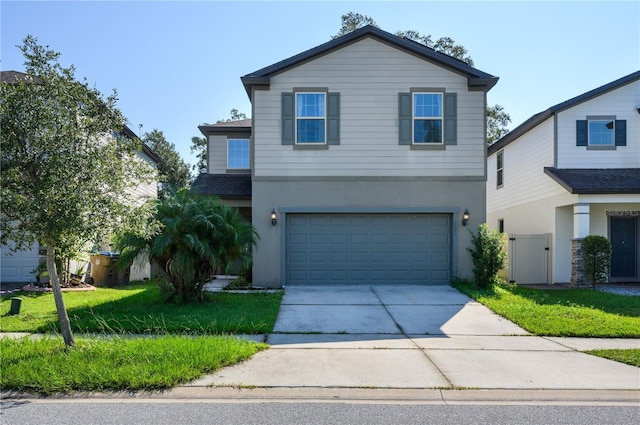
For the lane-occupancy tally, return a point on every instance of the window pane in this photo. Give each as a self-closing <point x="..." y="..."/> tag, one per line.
<point x="310" y="131"/>
<point x="601" y="132"/>
<point x="310" y="104"/>
<point x="238" y="153"/>
<point x="427" y="131"/>
<point x="427" y="105"/>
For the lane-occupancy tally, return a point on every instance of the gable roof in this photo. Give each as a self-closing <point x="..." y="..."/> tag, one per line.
<point x="590" y="181"/>
<point x="477" y="80"/>
<point x="225" y="186"/>
<point x="13" y="77"/>
<point x="544" y="115"/>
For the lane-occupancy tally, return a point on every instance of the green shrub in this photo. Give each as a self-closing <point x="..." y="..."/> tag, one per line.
<point x="596" y="253"/>
<point x="488" y="255"/>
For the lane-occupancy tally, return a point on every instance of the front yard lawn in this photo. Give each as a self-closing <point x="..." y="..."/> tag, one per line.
<point x="43" y="365"/>
<point x="567" y="313"/>
<point x="563" y="312"/>
<point x="139" y="309"/>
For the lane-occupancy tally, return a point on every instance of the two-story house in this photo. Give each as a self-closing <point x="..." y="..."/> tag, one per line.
<point x="570" y="171"/>
<point x="367" y="159"/>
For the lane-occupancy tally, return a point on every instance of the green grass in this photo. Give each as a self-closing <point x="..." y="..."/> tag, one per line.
<point x="115" y="363"/>
<point x="629" y="356"/>
<point x="563" y="312"/>
<point x="139" y="309"/>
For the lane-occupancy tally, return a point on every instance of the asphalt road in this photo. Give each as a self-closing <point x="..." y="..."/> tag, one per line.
<point x="142" y="412"/>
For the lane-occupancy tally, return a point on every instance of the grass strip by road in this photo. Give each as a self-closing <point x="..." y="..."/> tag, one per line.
<point x="563" y="312"/>
<point x="629" y="356"/>
<point x="140" y="309"/>
<point x="567" y="313"/>
<point x="44" y="365"/>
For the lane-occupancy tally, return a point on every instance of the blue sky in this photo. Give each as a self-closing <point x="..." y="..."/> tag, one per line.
<point x="176" y="65"/>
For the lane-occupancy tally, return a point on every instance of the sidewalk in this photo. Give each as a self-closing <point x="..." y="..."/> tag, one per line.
<point x="416" y="338"/>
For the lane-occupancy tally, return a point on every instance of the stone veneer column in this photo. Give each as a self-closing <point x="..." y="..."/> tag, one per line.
<point x="577" y="263"/>
<point x="581" y="219"/>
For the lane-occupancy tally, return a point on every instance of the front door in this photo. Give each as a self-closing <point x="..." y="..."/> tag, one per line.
<point x="624" y="245"/>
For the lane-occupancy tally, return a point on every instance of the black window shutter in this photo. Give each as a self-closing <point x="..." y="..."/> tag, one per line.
<point x="288" y="119"/>
<point x="333" y="118"/>
<point x="450" y="119"/>
<point x="621" y="133"/>
<point x="404" y="118"/>
<point x="582" y="133"/>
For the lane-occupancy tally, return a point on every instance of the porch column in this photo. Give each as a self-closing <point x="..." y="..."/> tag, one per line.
<point x="580" y="231"/>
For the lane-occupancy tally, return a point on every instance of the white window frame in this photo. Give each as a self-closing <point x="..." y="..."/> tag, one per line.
<point x="613" y="131"/>
<point x="499" y="169"/>
<point x="229" y="167"/>
<point x="434" y="118"/>
<point x="296" y="118"/>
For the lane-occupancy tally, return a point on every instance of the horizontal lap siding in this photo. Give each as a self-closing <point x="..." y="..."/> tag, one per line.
<point x="368" y="75"/>
<point x="622" y="104"/>
<point x="524" y="180"/>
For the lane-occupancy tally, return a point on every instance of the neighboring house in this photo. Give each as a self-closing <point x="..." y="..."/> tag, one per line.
<point x="17" y="267"/>
<point x="365" y="152"/>
<point x="228" y="173"/>
<point x="565" y="173"/>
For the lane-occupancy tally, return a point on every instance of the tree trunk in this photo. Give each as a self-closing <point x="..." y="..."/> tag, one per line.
<point x="63" y="318"/>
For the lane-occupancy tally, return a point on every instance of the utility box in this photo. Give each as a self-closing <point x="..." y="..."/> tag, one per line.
<point x="105" y="272"/>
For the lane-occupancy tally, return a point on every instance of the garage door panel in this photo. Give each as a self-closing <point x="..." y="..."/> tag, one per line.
<point x="364" y="248"/>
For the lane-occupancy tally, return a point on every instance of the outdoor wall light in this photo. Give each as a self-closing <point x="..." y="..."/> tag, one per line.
<point x="274" y="217"/>
<point x="465" y="217"/>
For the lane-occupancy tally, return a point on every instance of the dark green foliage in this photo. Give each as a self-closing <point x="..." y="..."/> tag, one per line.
<point x="173" y="171"/>
<point x="596" y="253"/>
<point x="488" y="255"/>
<point x="197" y="235"/>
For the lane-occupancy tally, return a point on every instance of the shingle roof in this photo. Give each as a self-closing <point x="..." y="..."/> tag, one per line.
<point x="593" y="181"/>
<point x="239" y="126"/>
<point x="226" y="186"/>
<point x="544" y="115"/>
<point x="477" y="79"/>
<point x="13" y="76"/>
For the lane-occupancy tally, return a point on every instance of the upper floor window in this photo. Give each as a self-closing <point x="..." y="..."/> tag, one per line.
<point x="427" y="118"/>
<point x="238" y="153"/>
<point x="499" y="169"/>
<point x="310" y="117"/>
<point x="601" y="132"/>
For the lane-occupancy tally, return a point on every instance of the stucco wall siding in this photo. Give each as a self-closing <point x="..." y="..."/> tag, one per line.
<point x="361" y="196"/>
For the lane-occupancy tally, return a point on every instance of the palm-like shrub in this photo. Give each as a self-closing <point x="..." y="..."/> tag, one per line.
<point x="195" y="236"/>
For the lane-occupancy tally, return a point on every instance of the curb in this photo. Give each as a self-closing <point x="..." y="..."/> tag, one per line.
<point x="350" y="395"/>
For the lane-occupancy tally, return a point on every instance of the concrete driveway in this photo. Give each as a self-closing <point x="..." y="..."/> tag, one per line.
<point x="390" y="336"/>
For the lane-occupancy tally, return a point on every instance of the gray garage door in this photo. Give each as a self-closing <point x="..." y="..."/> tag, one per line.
<point x="368" y="248"/>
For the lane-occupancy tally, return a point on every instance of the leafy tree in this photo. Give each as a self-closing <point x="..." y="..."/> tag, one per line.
<point x="497" y="122"/>
<point x="488" y="255"/>
<point x="497" y="119"/>
<point x="199" y="144"/>
<point x="173" y="171"/>
<point x="65" y="174"/>
<point x="352" y="21"/>
<point x="235" y="116"/>
<point x="196" y="235"/>
<point x="596" y="253"/>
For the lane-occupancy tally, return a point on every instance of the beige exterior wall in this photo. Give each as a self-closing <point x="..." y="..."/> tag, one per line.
<point x="368" y="75"/>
